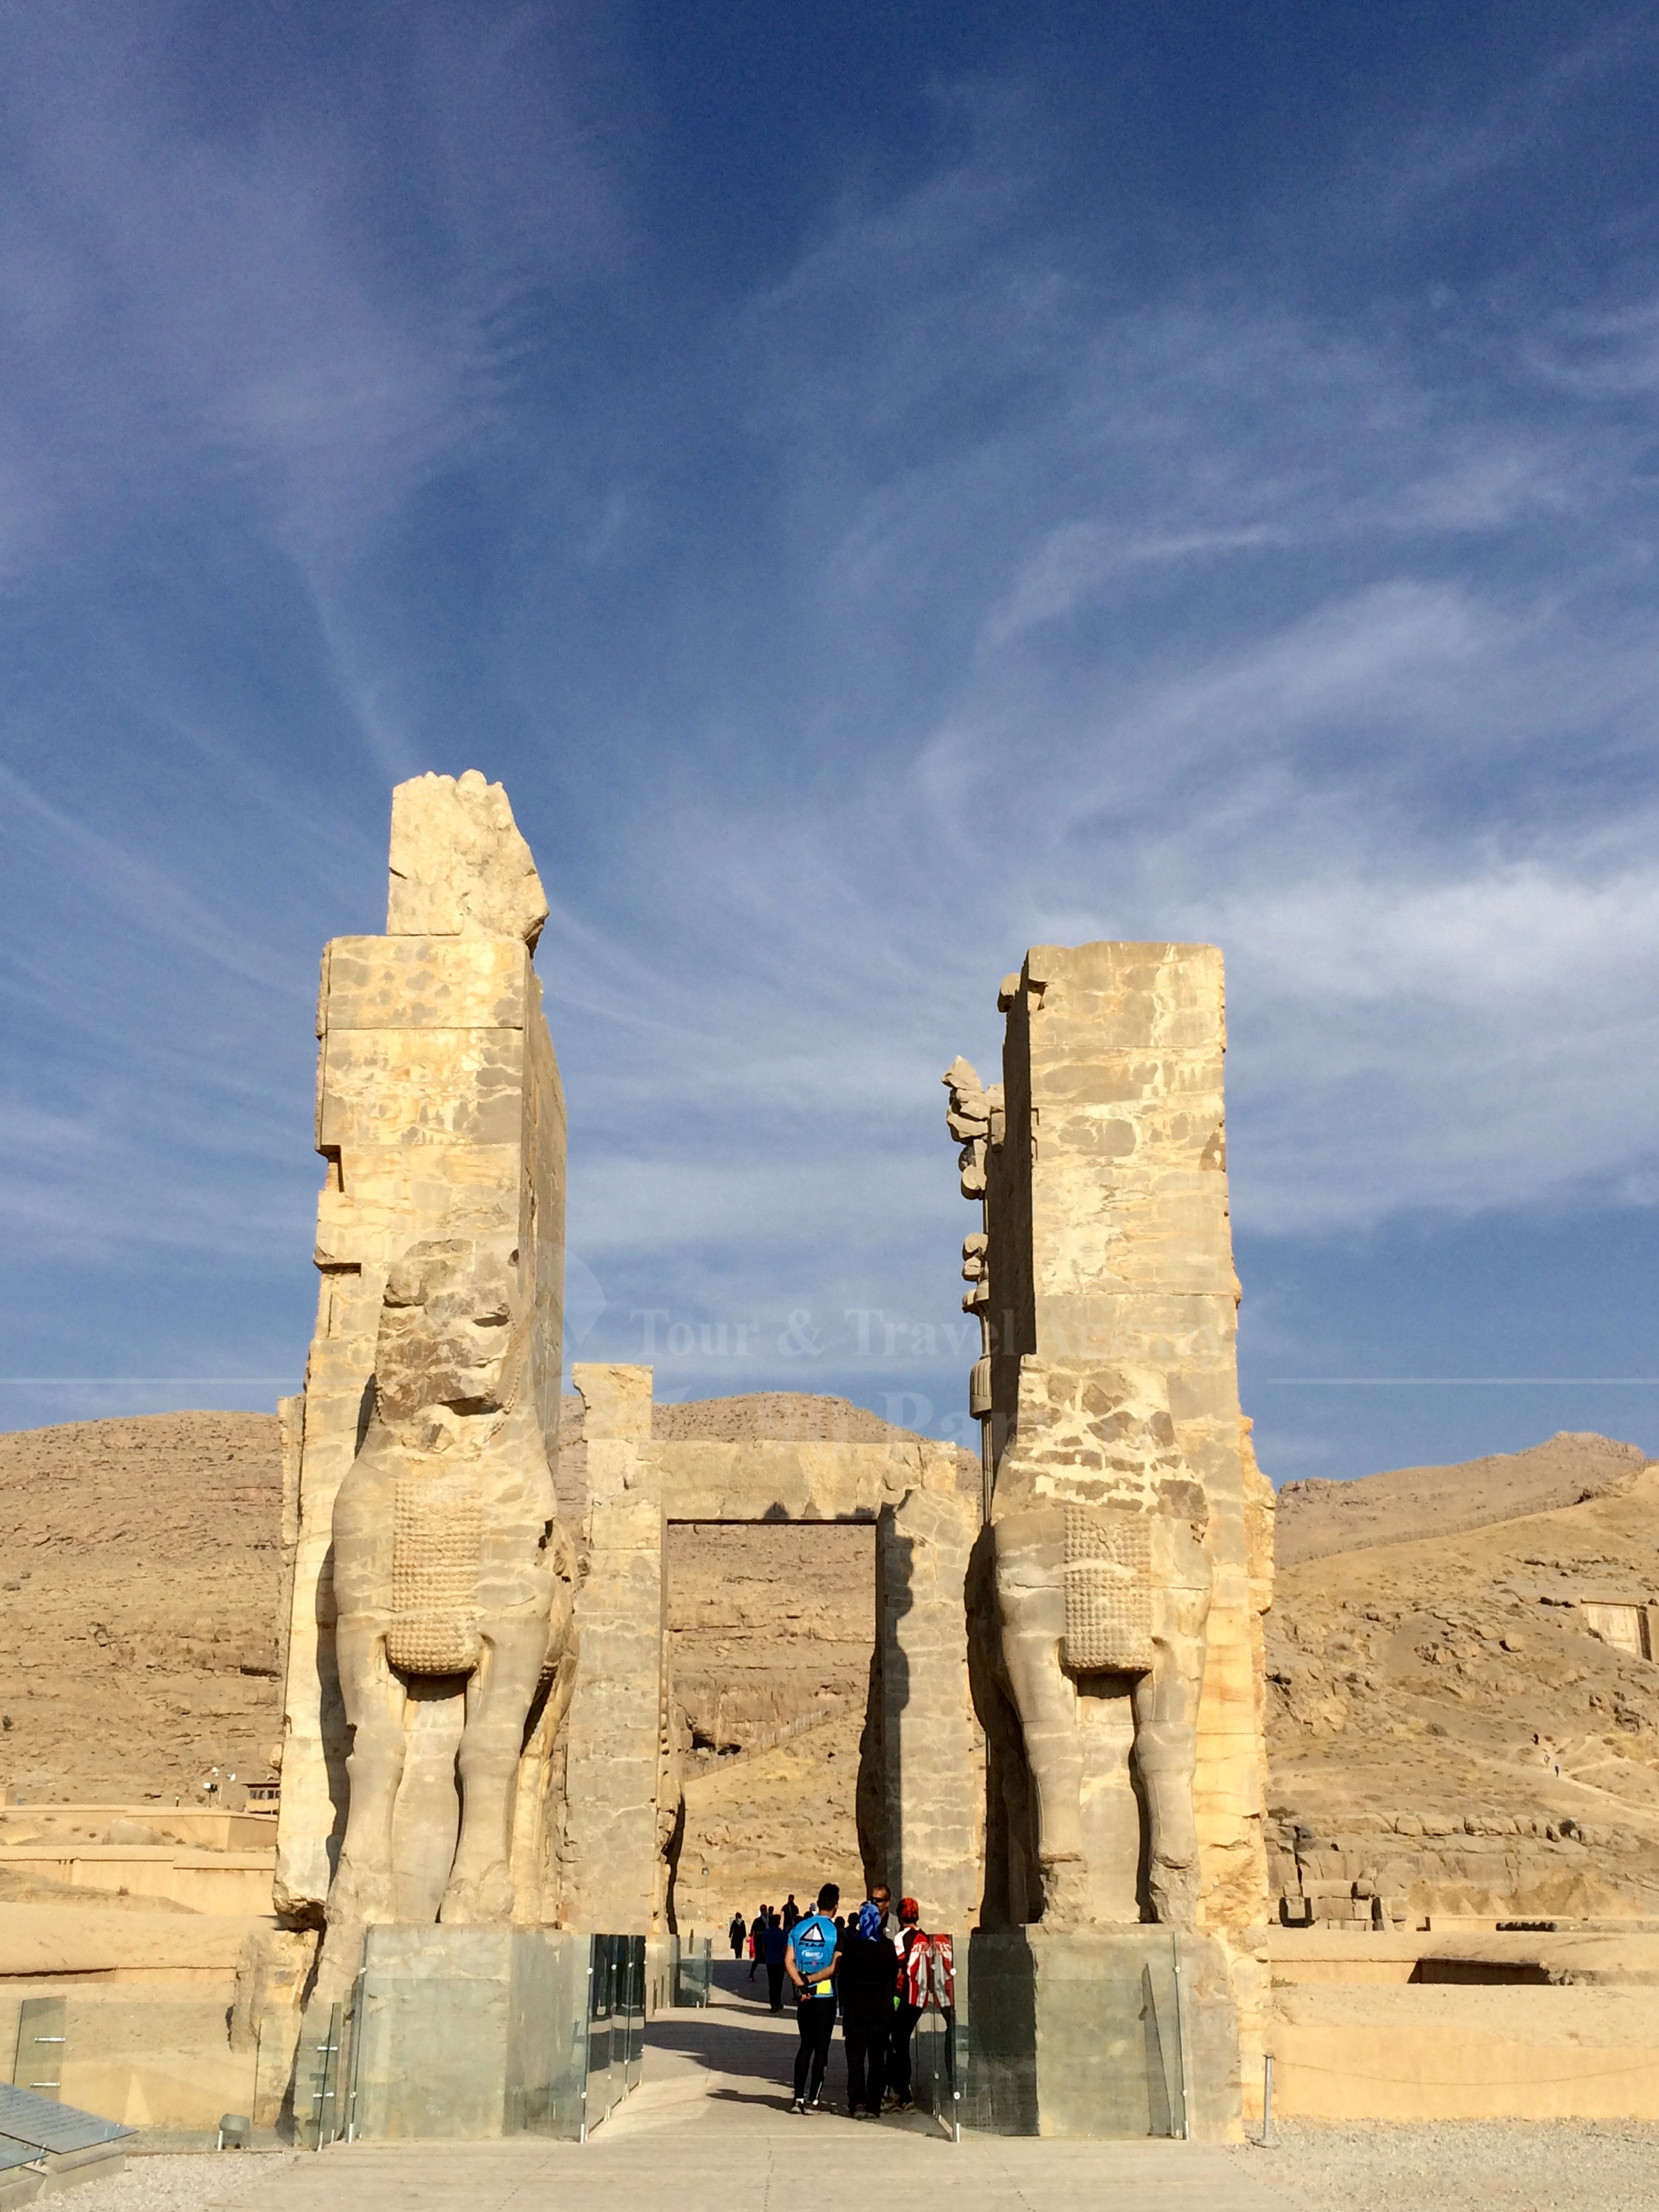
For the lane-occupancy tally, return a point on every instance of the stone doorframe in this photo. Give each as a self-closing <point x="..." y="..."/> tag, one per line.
<point x="621" y="1488"/>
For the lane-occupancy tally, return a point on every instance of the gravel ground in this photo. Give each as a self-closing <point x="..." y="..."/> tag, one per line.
<point x="179" y="2182"/>
<point x="1463" y="2166"/>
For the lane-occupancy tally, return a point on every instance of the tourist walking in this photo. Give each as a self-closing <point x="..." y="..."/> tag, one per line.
<point x="757" y="1941"/>
<point x="868" y="1983"/>
<point x="811" y="1959"/>
<point x="739" y="1933"/>
<point x="774" y="1940"/>
<point x="911" y="1945"/>
<point x="790" y="1912"/>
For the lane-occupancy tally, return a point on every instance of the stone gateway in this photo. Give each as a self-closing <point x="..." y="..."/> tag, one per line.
<point x="1063" y="1746"/>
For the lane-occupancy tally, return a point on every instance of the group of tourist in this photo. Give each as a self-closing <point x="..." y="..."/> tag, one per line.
<point x="862" y="1968"/>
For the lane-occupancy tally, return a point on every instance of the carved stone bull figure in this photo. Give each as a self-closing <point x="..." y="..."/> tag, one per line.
<point x="450" y="1567"/>
<point x="1089" y="1596"/>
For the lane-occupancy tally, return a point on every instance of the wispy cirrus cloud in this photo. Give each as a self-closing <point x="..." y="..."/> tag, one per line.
<point x="1011" y="558"/>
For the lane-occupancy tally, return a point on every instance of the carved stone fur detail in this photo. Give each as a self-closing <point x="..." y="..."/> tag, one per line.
<point x="1109" y="1599"/>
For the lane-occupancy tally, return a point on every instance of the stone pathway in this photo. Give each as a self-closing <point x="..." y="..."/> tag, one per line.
<point x="710" y="2131"/>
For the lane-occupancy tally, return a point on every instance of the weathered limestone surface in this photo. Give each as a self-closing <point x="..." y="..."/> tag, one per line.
<point x="922" y="1782"/>
<point x="932" y="1753"/>
<point x="618" y="1762"/>
<point x="453" y="1586"/>
<point x="766" y="1480"/>
<point x="459" y="867"/>
<point x="440" y="1115"/>
<point x="1117" y="1588"/>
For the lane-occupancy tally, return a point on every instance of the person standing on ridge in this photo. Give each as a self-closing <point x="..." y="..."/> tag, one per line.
<point x="811" y="1959"/>
<point x="869" y="1982"/>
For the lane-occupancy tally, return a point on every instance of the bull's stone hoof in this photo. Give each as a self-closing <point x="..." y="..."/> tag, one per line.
<point x="360" y="1896"/>
<point x="1174" y="1893"/>
<point x="478" y="1901"/>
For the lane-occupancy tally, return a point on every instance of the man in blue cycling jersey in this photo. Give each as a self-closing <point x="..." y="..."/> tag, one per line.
<point x="810" y="1960"/>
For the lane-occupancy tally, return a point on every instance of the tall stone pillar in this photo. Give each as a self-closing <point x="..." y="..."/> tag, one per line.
<point x="1126" y="1558"/>
<point x="933" y="1753"/>
<point x="614" y="1876"/>
<point x="438" y="1113"/>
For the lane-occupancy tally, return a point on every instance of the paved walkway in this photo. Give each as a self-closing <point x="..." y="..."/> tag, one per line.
<point x="710" y="2131"/>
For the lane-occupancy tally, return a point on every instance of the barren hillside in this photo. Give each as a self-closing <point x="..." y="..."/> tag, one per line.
<point x="1446" y="1726"/>
<point x="137" y="1605"/>
<point x="1318" y="1517"/>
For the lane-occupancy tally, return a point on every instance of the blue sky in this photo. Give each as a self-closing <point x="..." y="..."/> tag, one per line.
<point x="882" y="487"/>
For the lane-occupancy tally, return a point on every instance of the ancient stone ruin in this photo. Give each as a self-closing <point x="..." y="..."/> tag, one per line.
<point x="1117" y="1585"/>
<point x="1063" y="1744"/>
<point x="431" y="1583"/>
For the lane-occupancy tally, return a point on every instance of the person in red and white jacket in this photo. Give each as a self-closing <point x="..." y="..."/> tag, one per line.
<point x="911" y="1999"/>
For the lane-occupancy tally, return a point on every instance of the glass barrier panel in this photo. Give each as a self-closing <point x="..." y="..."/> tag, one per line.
<point x="695" y="1971"/>
<point x="1108" y="2024"/>
<point x="601" y="2009"/>
<point x="317" y="2081"/>
<point x="633" y="2062"/>
<point x="547" y="2034"/>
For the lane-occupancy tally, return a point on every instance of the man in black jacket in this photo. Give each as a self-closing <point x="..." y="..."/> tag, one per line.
<point x="868" y="1982"/>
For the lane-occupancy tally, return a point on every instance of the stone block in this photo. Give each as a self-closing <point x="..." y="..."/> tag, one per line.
<point x="1095" y="2034"/>
<point x="469" y="2034"/>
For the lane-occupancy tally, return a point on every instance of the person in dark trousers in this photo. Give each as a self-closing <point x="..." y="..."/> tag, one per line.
<point x="757" y="1941"/>
<point x="912" y="1987"/>
<point x="811" y="1959"/>
<point x="790" y="1912"/>
<point x="868" y="1981"/>
<point x="739" y="1933"/>
<point x="774" y="1940"/>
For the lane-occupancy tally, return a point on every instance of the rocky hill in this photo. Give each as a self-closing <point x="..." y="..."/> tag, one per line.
<point x="137" y="1605"/>
<point x="1318" y="1517"/>
<point x="1451" y="1728"/>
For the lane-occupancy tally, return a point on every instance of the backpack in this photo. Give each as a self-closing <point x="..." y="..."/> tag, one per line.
<point x="813" y="1942"/>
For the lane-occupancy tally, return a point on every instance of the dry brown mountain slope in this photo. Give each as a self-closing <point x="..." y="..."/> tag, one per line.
<point x="1444" y="1726"/>
<point x="1319" y="1516"/>
<point x="139" y="1562"/>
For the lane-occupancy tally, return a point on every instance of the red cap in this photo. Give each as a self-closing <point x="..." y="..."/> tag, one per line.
<point x="909" y="1911"/>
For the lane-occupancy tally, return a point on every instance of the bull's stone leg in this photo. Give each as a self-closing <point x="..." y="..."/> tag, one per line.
<point x="480" y="1886"/>
<point x="361" y="1891"/>
<point x="1030" y="1598"/>
<point x="1166" y="1719"/>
